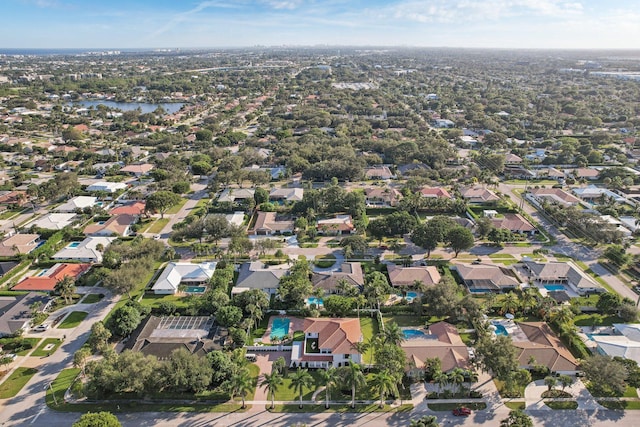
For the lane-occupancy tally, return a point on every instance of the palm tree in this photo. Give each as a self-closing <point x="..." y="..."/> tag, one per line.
<point x="299" y="381"/>
<point x="529" y="298"/>
<point x="563" y="316"/>
<point x="240" y="384"/>
<point x="456" y="377"/>
<point x="355" y="378"/>
<point x="392" y="334"/>
<point x="329" y="378"/>
<point x="441" y="379"/>
<point x="510" y="303"/>
<point x="271" y="382"/>
<point x="66" y="287"/>
<point x="384" y="383"/>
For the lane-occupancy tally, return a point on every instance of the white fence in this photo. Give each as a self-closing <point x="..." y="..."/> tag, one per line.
<point x="268" y="347"/>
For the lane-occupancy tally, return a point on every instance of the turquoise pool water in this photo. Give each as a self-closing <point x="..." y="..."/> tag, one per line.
<point x="73" y="245"/>
<point x="412" y="333"/>
<point x="280" y="327"/>
<point x="195" y="289"/>
<point x="412" y="294"/>
<point x="501" y="330"/>
<point x="554" y="287"/>
<point x="314" y="300"/>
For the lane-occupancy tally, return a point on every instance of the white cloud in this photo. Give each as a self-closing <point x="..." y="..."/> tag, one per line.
<point x="446" y="11"/>
<point x="283" y="4"/>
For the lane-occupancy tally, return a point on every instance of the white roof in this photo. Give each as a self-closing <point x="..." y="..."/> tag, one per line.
<point x="54" y="221"/>
<point x="184" y="272"/>
<point x="110" y="187"/>
<point x="79" y="202"/>
<point x="85" y="250"/>
<point x="236" y="218"/>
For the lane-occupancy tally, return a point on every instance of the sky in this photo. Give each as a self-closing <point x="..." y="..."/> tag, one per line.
<point x="575" y="24"/>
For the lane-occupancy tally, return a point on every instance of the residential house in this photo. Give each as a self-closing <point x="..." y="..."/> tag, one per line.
<point x="479" y="195"/>
<point x="18" y="244"/>
<point x="341" y="224"/>
<point x="402" y="277"/>
<point x="194" y="277"/>
<point x="435" y="193"/>
<point x="13" y="198"/>
<point x="350" y="272"/>
<point x="411" y="167"/>
<point x="327" y="343"/>
<point x="137" y="170"/>
<point x="554" y="173"/>
<point x="554" y="195"/>
<point x="271" y="223"/>
<point x="7" y="266"/>
<point x="624" y="341"/>
<point x="286" y="195"/>
<point x="512" y="159"/>
<point x="515" y="223"/>
<point x="236" y="218"/>
<point x="161" y="336"/>
<point x="441" y="342"/>
<point x="539" y="344"/>
<point x="585" y="173"/>
<point x="16" y="312"/>
<point x="119" y="225"/>
<point x="592" y="194"/>
<point x="77" y="203"/>
<point x="86" y="250"/>
<point x="54" y="221"/>
<point x="483" y="278"/>
<point x="135" y="208"/>
<point x="46" y="281"/>
<point x="378" y="172"/>
<point x="106" y="187"/>
<point x="561" y="273"/>
<point x="236" y="195"/>
<point x="257" y="275"/>
<point x="382" y="197"/>
<point x="443" y="123"/>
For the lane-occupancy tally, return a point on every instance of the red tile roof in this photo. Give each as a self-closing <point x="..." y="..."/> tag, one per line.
<point x="47" y="282"/>
<point x="136" y="208"/>
<point x="338" y="335"/>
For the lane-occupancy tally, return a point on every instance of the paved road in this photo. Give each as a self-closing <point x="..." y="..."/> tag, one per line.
<point x="28" y="407"/>
<point x="567" y="247"/>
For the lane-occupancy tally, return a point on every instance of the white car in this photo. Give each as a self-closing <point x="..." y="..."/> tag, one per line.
<point x="11" y="356"/>
<point x="41" y="328"/>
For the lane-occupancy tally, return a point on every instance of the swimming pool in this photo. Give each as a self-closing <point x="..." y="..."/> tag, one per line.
<point x="554" y="287"/>
<point x="412" y="333"/>
<point x="500" y="330"/>
<point x="412" y="294"/>
<point x="279" y="327"/>
<point x="195" y="289"/>
<point x="73" y="245"/>
<point x="315" y="300"/>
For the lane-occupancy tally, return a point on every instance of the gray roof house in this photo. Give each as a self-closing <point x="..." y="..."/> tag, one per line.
<point x="257" y="275"/>
<point x="565" y="273"/>
<point x="183" y="273"/>
<point x="483" y="278"/>
<point x="16" y="313"/>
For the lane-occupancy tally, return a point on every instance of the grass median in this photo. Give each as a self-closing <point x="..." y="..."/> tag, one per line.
<point x="12" y="385"/>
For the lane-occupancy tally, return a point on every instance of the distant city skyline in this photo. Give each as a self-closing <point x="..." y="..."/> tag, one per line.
<point x="96" y="24"/>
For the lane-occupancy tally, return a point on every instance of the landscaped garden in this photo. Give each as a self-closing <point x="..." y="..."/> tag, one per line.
<point x="73" y="320"/>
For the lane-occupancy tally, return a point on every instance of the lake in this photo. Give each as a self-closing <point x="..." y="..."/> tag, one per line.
<point x="169" y="107"/>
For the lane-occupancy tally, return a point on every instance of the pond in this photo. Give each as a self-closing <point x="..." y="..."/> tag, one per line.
<point x="169" y="107"/>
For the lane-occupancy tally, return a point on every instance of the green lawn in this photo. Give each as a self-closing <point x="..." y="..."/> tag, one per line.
<point x="176" y="208"/>
<point x="154" y="301"/>
<point x="92" y="298"/>
<point x="341" y="408"/>
<point x="325" y="261"/>
<point x="12" y="385"/>
<point x="286" y="393"/>
<point x="569" y="404"/>
<point x="451" y="406"/>
<point x="10" y="345"/>
<point x="73" y="320"/>
<point x="369" y="328"/>
<point x="620" y="404"/>
<point x="41" y="352"/>
<point x="596" y="319"/>
<point x="501" y="256"/>
<point x="158" y="225"/>
<point x="515" y="405"/>
<point x="67" y="376"/>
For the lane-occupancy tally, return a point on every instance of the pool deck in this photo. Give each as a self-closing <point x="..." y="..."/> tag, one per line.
<point x="514" y="331"/>
<point x="295" y="324"/>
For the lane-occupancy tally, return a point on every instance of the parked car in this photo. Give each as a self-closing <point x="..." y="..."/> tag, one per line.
<point x="41" y="328"/>
<point x="11" y="356"/>
<point x="461" y="412"/>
